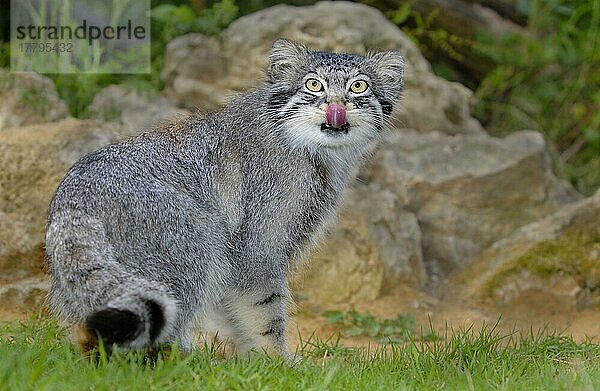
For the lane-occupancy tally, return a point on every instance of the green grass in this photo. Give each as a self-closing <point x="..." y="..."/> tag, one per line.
<point x="37" y="355"/>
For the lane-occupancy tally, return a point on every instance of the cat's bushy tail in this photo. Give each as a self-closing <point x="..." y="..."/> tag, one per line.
<point x="139" y="316"/>
<point x="100" y="296"/>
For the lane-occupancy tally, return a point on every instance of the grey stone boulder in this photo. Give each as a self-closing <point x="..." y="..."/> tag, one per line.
<point x="394" y="231"/>
<point x="133" y="109"/>
<point x="28" y="99"/>
<point x="204" y="72"/>
<point x="374" y="248"/>
<point x="195" y="72"/>
<point x="468" y="191"/>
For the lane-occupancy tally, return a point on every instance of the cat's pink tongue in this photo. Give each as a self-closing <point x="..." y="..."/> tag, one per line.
<point x="335" y="115"/>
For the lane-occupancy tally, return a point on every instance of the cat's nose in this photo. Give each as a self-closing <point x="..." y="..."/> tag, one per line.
<point x="336" y="98"/>
<point x="335" y="116"/>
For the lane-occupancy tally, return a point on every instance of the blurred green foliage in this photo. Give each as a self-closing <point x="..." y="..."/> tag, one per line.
<point x="396" y="330"/>
<point x="5" y="54"/>
<point x="168" y="21"/>
<point x="33" y="98"/>
<point x="422" y="30"/>
<point x="354" y="323"/>
<point x="175" y="20"/>
<point x="78" y="89"/>
<point x="549" y="80"/>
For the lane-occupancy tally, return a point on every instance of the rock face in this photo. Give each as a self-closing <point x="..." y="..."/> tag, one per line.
<point x="468" y="191"/>
<point x="133" y="109"/>
<point x="33" y="160"/>
<point x="428" y="201"/>
<point x="558" y="256"/>
<point x="375" y="246"/>
<point x="204" y="72"/>
<point x="28" y="99"/>
<point x="25" y="295"/>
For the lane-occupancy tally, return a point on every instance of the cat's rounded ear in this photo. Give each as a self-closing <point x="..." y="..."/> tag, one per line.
<point x="389" y="67"/>
<point x="285" y="56"/>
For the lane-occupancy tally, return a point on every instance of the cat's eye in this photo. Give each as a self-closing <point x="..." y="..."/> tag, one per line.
<point x="358" y="86"/>
<point x="314" y="85"/>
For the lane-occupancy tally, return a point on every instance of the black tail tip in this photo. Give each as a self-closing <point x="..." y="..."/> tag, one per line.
<point x="157" y="319"/>
<point x="119" y="326"/>
<point x="115" y="326"/>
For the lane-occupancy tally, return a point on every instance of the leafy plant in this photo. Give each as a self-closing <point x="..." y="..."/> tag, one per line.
<point x="420" y="28"/>
<point x="181" y="19"/>
<point x="78" y="89"/>
<point x="549" y="81"/>
<point x="170" y="21"/>
<point x="4" y="54"/>
<point x="354" y="323"/>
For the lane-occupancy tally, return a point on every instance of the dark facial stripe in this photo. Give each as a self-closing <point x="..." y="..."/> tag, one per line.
<point x="270" y="299"/>
<point x="363" y="100"/>
<point x="386" y="107"/>
<point x="298" y="105"/>
<point x="278" y="99"/>
<point x="307" y="96"/>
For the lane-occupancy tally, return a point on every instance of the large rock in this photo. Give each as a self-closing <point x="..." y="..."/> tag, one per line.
<point x="134" y="109"/>
<point x="432" y="200"/>
<point x="33" y="160"/>
<point x="347" y="269"/>
<point x="468" y="191"/>
<point x="558" y="256"/>
<point x="204" y="72"/>
<point x="394" y="231"/>
<point x="427" y="199"/>
<point x="25" y="295"/>
<point x="375" y="246"/>
<point x="28" y="99"/>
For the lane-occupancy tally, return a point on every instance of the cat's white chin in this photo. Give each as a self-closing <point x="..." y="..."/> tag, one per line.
<point x="309" y="134"/>
<point x="354" y="138"/>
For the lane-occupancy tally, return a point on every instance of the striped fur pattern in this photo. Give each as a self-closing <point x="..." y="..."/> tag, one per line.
<point x="201" y="220"/>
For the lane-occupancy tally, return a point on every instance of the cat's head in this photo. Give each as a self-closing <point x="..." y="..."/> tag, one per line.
<point x="324" y="99"/>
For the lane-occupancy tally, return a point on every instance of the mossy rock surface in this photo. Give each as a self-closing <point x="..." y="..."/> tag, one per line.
<point x="559" y="255"/>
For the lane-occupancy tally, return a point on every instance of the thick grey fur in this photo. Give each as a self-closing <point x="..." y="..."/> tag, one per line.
<point x="204" y="218"/>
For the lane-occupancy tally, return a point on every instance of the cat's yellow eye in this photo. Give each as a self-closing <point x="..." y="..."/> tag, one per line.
<point x="314" y="85"/>
<point x="358" y="86"/>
